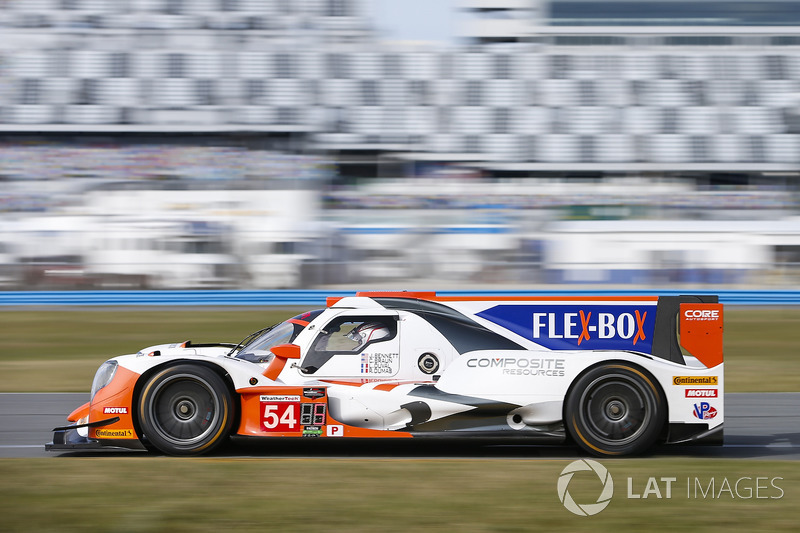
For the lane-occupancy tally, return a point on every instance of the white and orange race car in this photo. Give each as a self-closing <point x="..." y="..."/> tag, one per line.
<point x="616" y="375"/>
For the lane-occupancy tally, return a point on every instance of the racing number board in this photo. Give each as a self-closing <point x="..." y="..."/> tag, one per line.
<point x="303" y="413"/>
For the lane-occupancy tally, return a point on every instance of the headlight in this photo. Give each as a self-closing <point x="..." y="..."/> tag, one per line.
<point x="103" y="376"/>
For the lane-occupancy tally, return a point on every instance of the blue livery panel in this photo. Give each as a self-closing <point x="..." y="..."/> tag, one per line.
<point x="578" y="326"/>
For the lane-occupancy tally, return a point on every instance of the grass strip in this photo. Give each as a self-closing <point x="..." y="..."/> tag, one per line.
<point x="59" y="350"/>
<point x="349" y="494"/>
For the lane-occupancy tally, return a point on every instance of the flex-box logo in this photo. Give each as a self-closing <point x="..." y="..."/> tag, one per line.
<point x="590" y="327"/>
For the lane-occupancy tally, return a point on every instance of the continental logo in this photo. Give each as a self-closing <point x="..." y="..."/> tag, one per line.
<point x="695" y="380"/>
<point x="114" y="434"/>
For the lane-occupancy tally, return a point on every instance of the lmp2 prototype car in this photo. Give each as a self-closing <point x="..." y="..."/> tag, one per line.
<point x="615" y="375"/>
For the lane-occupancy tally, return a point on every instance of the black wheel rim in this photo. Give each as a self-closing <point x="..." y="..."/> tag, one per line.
<point x="184" y="409"/>
<point x="616" y="409"/>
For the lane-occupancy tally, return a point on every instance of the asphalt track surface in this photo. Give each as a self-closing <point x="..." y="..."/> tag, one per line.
<point x="757" y="426"/>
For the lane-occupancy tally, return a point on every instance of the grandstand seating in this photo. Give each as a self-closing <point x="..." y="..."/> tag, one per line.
<point x="215" y="64"/>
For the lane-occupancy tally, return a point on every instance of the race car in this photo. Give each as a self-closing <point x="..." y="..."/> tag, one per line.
<point x="616" y="375"/>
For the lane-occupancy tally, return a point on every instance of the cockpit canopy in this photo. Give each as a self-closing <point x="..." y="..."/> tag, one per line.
<point x="257" y="350"/>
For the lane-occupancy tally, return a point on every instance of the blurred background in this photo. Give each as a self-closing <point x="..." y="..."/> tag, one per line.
<point x="267" y="144"/>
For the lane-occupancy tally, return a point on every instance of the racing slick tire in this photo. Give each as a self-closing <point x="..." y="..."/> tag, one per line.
<point x="185" y="410"/>
<point x="615" y="409"/>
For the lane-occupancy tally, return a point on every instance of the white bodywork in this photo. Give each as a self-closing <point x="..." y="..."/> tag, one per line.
<point x="372" y="388"/>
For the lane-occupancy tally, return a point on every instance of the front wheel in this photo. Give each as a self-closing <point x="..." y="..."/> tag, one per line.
<point x="615" y="409"/>
<point x="186" y="410"/>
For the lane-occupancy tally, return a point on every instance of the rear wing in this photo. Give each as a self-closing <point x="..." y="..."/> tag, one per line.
<point x="694" y="322"/>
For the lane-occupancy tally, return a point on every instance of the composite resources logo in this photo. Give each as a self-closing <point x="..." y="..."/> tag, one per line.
<point x="585" y="509"/>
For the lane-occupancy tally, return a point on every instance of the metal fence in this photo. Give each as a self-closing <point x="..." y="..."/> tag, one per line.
<point x="317" y="298"/>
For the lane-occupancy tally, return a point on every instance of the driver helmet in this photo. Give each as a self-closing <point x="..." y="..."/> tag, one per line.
<point x="367" y="332"/>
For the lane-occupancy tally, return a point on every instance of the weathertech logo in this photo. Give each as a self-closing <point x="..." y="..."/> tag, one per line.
<point x="701" y="393"/>
<point x="695" y="380"/>
<point x="115" y="410"/>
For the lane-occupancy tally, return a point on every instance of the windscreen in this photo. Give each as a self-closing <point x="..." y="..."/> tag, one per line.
<point x="258" y="350"/>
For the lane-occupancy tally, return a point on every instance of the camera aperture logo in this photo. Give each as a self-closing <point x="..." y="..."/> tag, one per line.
<point x="742" y="488"/>
<point x="585" y="509"/>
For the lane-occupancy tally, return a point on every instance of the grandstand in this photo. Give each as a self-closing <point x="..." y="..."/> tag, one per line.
<point x="255" y="94"/>
<point x="662" y="99"/>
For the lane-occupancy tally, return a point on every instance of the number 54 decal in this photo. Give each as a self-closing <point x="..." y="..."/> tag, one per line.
<point x="280" y="413"/>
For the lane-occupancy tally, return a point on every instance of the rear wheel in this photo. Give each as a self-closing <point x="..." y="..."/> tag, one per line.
<point x="186" y="410"/>
<point x="615" y="409"/>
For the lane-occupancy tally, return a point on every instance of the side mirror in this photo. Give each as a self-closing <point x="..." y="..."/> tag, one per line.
<point x="283" y="352"/>
<point x="286" y="351"/>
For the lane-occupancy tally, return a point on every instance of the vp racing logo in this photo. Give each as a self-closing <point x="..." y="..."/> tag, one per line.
<point x="585" y="509"/>
<point x="704" y="411"/>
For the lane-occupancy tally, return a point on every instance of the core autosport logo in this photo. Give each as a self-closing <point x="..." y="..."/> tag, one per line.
<point x="585" y="509"/>
<point x="564" y="327"/>
<point x="701" y="315"/>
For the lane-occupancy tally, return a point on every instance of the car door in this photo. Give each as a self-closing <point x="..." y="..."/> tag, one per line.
<point x="355" y="346"/>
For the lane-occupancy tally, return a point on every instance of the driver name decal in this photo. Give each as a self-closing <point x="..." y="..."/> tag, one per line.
<point x="379" y="363"/>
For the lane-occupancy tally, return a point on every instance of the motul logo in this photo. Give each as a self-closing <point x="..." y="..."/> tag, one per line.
<point x="701" y="393"/>
<point x="701" y="314"/>
<point x="115" y="410"/>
